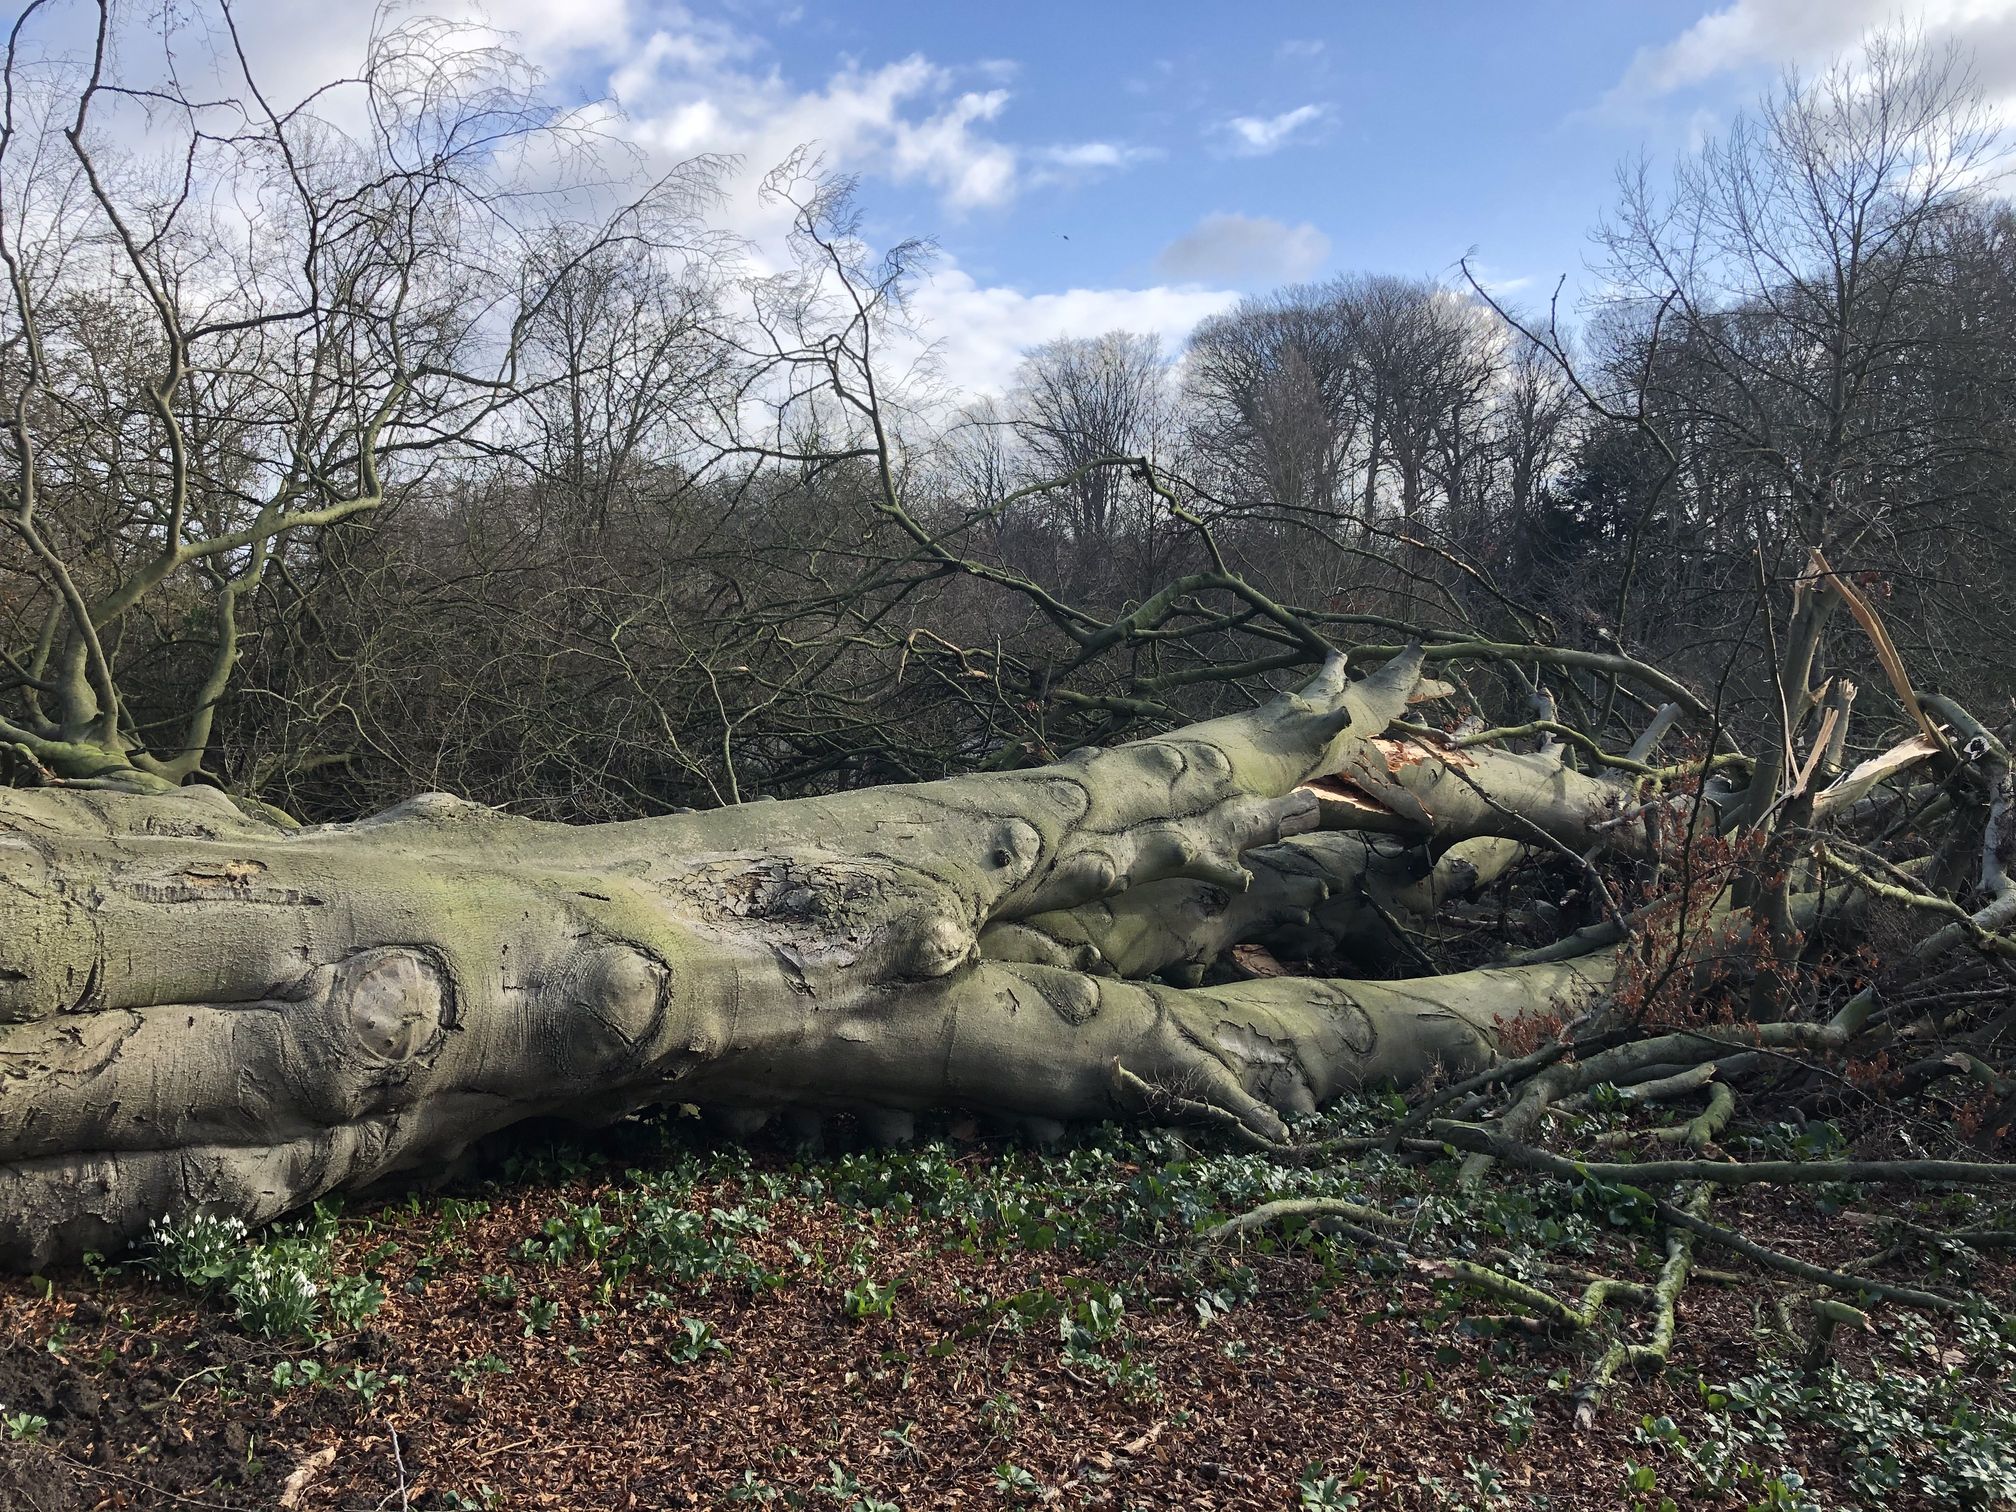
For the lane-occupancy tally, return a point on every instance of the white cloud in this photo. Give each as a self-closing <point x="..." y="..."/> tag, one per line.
<point x="1255" y="136"/>
<point x="689" y="43"/>
<point x="944" y="151"/>
<point x="688" y="93"/>
<point x="981" y="332"/>
<point x="691" y="84"/>
<point x="1773" y="33"/>
<point x="1243" y="249"/>
<point x="1499" y="285"/>
<point x="1097" y="155"/>
<point x="297" y="46"/>
<point x="1300" y="47"/>
<point x="908" y="121"/>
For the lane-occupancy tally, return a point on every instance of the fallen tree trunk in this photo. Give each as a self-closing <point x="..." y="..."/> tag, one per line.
<point x="209" y="1013"/>
<point x="205" y="1011"/>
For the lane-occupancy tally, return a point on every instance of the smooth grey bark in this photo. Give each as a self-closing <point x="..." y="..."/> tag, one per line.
<point x="202" y="1012"/>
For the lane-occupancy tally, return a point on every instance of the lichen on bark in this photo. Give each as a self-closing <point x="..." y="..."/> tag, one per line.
<point x="206" y="1012"/>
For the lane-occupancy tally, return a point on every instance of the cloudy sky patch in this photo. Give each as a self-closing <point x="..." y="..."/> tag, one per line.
<point x="1129" y="166"/>
<point x="1246" y="250"/>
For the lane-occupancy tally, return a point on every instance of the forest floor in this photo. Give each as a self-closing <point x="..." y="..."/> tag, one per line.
<point x="644" y="1320"/>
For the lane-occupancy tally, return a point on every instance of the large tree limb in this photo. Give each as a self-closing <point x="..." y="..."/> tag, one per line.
<point x="212" y="1013"/>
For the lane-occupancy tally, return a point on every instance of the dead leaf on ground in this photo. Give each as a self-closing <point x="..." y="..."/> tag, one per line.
<point x="304" y="1473"/>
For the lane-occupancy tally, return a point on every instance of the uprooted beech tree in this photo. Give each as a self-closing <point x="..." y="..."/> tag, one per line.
<point x="210" y="1012"/>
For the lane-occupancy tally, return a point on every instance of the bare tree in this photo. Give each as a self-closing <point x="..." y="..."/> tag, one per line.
<point x="1274" y="395"/>
<point x="213" y="352"/>
<point x="1079" y="401"/>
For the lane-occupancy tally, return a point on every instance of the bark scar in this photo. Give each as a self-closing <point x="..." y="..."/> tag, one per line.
<point x="217" y="881"/>
<point x="1073" y="998"/>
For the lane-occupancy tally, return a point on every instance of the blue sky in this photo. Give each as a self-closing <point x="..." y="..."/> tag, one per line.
<point x="1401" y="135"/>
<point x="1118" y="164"/>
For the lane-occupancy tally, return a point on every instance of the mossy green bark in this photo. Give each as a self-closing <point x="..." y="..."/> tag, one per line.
<point x="203" y="1011"/>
